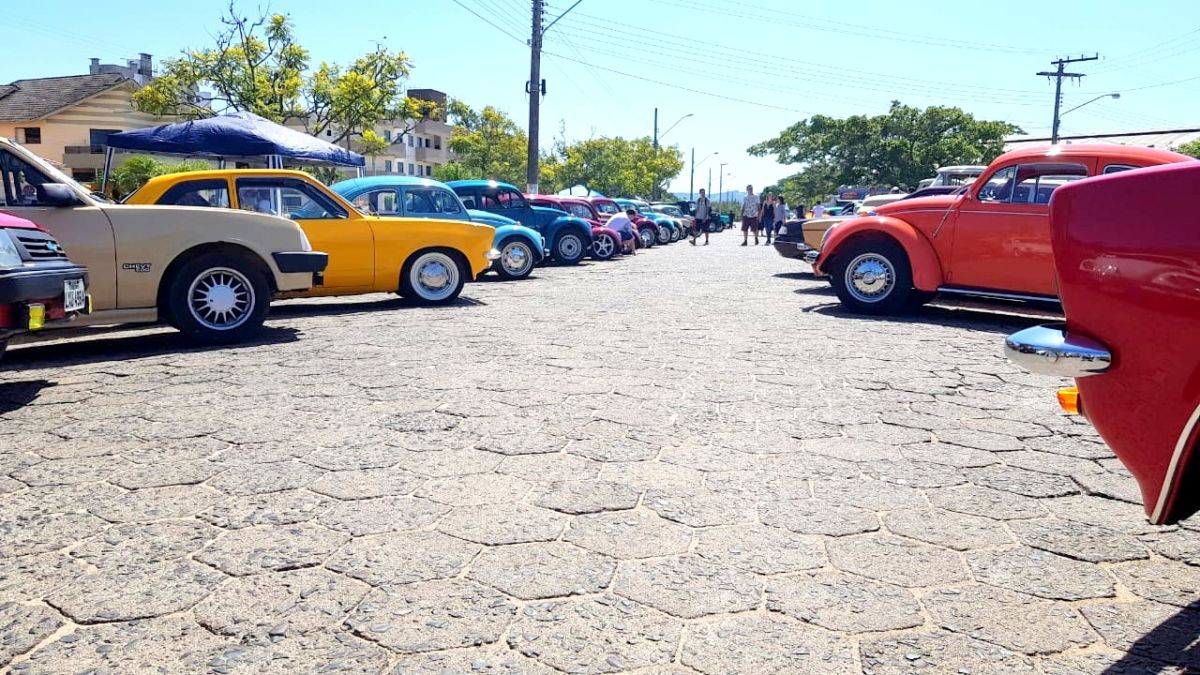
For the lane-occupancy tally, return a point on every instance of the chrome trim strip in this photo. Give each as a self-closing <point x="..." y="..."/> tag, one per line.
<point x="1174" y="466"/>
<point x="1049" y="350"/>
<point x="1006" y="213"/>
<point x="1001" y="295"/>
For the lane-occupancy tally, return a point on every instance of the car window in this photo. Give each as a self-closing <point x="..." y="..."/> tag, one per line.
<point x="19" y="181"/>
<point x="213" y="192"/>
<point x="1118" y="168"/>
<point x="502" y="199"/>
<point x="606" y="207"/>
<point x="998" y="187"/>
<point x="445" y="201"/>
<point x="1036" y="182"/>
<point x="291" y="198"/>
<point x="580" y="211"/>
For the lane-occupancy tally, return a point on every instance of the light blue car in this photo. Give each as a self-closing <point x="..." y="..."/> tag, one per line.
<point x="521" y="248"/>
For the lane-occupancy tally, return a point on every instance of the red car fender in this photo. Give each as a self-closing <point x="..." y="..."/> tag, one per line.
<point x="926" y="268"/>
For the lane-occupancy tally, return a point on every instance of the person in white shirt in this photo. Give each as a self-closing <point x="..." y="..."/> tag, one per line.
<point x="818" y="211"/>
<point x="623" y="224"/>
<point x="750" y="208"/>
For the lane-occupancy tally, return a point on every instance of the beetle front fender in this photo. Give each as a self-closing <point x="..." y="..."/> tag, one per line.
<point x="571" y="223"/>
<point x="926" y="268"/>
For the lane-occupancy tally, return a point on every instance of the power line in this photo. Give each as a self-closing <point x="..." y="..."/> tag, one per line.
<point x="503" y="13"/>
<point x="488" y="21"/>
<point x="1058" y="76"/>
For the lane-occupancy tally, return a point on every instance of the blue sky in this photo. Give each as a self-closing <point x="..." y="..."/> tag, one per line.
<point x="744" y="71"/>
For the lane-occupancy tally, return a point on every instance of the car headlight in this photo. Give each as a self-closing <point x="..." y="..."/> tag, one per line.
<point x="9" y="256"/>
<point x="493" y="254"/>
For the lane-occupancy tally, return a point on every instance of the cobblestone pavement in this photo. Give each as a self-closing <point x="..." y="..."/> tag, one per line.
<point x="686" y="462"/>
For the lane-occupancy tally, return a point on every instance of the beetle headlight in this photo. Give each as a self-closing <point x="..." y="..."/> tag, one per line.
<point x="9" y="255"/>
<point x="825" y="237"/>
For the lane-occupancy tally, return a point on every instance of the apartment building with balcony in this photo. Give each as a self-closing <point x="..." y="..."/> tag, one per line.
<point x="66" y="120"/>
<point x="417" y="146"/>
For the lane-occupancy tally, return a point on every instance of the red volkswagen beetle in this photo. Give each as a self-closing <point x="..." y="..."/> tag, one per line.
<point x="606" y="242"/>
<point x="1127" y="253"/>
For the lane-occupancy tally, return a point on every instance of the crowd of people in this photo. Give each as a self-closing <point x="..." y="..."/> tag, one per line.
<point x="765" y="215"/>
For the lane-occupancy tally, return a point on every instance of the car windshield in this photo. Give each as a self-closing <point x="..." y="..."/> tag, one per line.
<point x="607" y="207"/>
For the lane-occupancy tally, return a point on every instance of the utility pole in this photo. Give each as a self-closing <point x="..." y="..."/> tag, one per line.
<point x="1058" y="76"/>
<point x="709" y="181"/>
<point x="692" y="180"/>
<point x="656" y="128"/>
<point x="536" y="88"/>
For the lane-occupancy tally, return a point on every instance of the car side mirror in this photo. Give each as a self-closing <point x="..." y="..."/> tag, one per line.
<point x="56" y="194"/>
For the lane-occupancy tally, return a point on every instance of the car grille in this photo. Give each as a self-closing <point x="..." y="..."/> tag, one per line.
<point x="41" y="246"/>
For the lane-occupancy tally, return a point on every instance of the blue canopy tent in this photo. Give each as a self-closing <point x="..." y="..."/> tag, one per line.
<point x="240" y="134"/>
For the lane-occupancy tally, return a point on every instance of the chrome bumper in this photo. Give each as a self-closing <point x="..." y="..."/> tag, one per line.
<point x="1048" y="350"/>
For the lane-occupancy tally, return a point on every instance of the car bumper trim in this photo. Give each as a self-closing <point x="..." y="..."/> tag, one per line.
<point x="21" y="285"/>
<point x="1050" y="350"/>
<point x="293" y="262"/>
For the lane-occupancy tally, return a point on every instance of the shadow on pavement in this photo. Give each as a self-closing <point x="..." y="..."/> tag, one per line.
<point x="301" y="308"/>
<point x="1173" y="641"/>
<point x="981" y="320"/>
<point x="99" y="345"/>
<point x="802" y="276"/>
<point x="16" y="395"/>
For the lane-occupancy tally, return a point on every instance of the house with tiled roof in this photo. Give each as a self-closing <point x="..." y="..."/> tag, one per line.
<point x="67" y="119"/>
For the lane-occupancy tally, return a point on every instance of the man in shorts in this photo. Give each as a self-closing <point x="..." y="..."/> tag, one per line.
<point x="750" y="208"/>
<point x="702" y="213"/>
<point x="623" y="224"/>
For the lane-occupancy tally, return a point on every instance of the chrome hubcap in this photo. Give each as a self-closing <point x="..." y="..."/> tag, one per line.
<point x="647" y="237"/>
<point x="515" y="258"/>
<point x="870" y="277"/>
<point x="435" y="276"/>
<point x="221" y="298"/>
<point x="603" y="246"/>
<point x="570" y="246"/>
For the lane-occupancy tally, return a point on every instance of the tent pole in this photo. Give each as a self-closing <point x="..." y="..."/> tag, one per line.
<point x="108" y="155"/>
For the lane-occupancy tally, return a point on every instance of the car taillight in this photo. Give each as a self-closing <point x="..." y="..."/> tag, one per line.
<point x="1068" y="400"/>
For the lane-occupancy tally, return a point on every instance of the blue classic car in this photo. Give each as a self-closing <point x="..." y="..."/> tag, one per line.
<point x="521" y="248"/>
<point x="570" y="237"/>
<point x="668" y="229"/>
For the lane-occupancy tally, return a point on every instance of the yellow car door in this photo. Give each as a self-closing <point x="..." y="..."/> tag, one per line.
<point x="330" y="225"/>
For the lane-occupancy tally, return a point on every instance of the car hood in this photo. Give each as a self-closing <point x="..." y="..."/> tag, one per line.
<point x="9" y="221"/>
<point x="493" y="219"/>
<point x="934" y="203"/>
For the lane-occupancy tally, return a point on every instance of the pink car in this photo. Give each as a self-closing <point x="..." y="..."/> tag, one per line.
<point x="606" y="242"/>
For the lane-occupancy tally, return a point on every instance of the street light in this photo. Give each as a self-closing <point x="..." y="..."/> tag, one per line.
<point x="692" y="182"/>
<point x="721" y="185"/>
<point x="1054" y="134"/>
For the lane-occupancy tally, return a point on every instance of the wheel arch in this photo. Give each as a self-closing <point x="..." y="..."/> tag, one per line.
<point x="927" y="272"/>
<point x="464" y="265"/>
<point x="184" y="256"/>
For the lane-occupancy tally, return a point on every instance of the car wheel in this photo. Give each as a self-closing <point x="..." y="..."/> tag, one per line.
<point x="873" y="276"/>
<point x="516" y="259"/>
<point x="648" y="235"/>
<point x="664" y="235"/>
<point x="604" y="247"/>
<point x="569" y="248"/>
<point x="432" y="278"/>
<point x="218" y="298"/>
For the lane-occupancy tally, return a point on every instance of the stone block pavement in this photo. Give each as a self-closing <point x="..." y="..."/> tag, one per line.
<point x="686" y="462"/>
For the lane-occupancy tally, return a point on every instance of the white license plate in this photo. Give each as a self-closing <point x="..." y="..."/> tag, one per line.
<point x="74" y="295"/>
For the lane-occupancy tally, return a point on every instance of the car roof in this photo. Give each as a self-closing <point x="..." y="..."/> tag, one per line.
<point x="1108" y="151"/>
<point x="475" y="182"/>
<point x="386" y="181"/>
<point x="222" y="174"/>
<point x="961" y="168"/>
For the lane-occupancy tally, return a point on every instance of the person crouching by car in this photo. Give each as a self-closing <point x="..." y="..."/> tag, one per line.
<point x="623" y="224"/>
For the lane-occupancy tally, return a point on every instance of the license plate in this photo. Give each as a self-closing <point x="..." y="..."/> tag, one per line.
<point x="74" y="295"/>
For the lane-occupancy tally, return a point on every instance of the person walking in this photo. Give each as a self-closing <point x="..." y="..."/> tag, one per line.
<point x="750" y="208"/>
<point x="702" y="213"/>
<point x="781" y="215"/>
<point x="766" y="218"/>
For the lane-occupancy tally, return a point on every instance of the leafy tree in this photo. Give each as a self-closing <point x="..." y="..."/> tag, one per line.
<point x="488" y="143"/>
<point x="256" y="65"/>
<point x="618" y="166"/>
<point x="372" y="145"/>
<point x="133" y="173"/>
<point x="1192" y="149"/>
<point x="895" y="149"/>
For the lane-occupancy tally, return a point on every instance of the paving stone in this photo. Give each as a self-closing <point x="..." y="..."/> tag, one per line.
<point x="618" y="449"/>
<point x="1037" y="572"/>
<point x="1078" y="540"/>
<point x="981" y="440"/>
<point x="600" y="635"/>
<point x="119" y="593"/>
<point x="487" y="660"/>
<point x="22" y="627"/>
<point x="1048" y="462"/>
<point x="180" y="501"/>
<point x="948" y="454"/>
<point x="939" y="652"/>
<point x="283" y="605"/>
<point x="163" y="475"/>
<point x="1107" y="662"/>
<point x="809" y="467"/>
<point x="432" y="615"/>
<point x="367" y="483"/>
<point x="1148" y="629"/>
<point x="851" y="449"/>
<point x="275" y="508"/>
<point x="916" y="474"/>
<point x="688" y="586"/>
<point x="890" y="434"/>
<point x="554" y="467"/>
<point x="643" y="476"/>
<point x="543" y="570"/>
<point x="325" y="652"/>
<point x="1108" y="513"/>
<point x="870" y="494"/>
<point x="503" y="523"/>
<point x="764" y="550"/>
<point x="523" y="444"/>
<point x="29" y="577"/>
<point x="254" y="550"/>
<point x="586" y="496"/>
<point x="703" y="457"/>
<point x="1015" y="621"/>
<point x="1164" y="581"/>
<point x="39" y="534"/>
<point x="841" y="602"/>
<point x="752" y="643"/>
<point x="475" y="489"/>
<point x="10" y="485"/>
<point x="402" y="558"/>
<point x="1022" y="481"/>
<point x="420" y="422"/>
<point x="385" y="514"/>
<point x="69" y="471"/>
<point x="629" y="534"/>
<point x="815" y="516"/>
<point x="264" y="478"/>
<point x="1110" y="484"/>
<point x="896" y="561"/>
<point x="701" y="507"/>
<point x="438" y="442"/>
<point x="1182" y="545"/>
<point x="140" y="543"/>
<point x="144" y="646"/>
<point x="1071" y="446"/>
<point x="174" y="450"/>
<point x="948" y="529"/>
<point x="986" y="502"/>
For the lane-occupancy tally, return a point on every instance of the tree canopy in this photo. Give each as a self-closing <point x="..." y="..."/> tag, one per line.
<point x="898" y="148"/>
<point x="618" y="166"/>
<point x="487" y="143"/>
<point x="135" y="171"/>
<point x="1191" y="149"/>
<point x="256" y="65"/>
